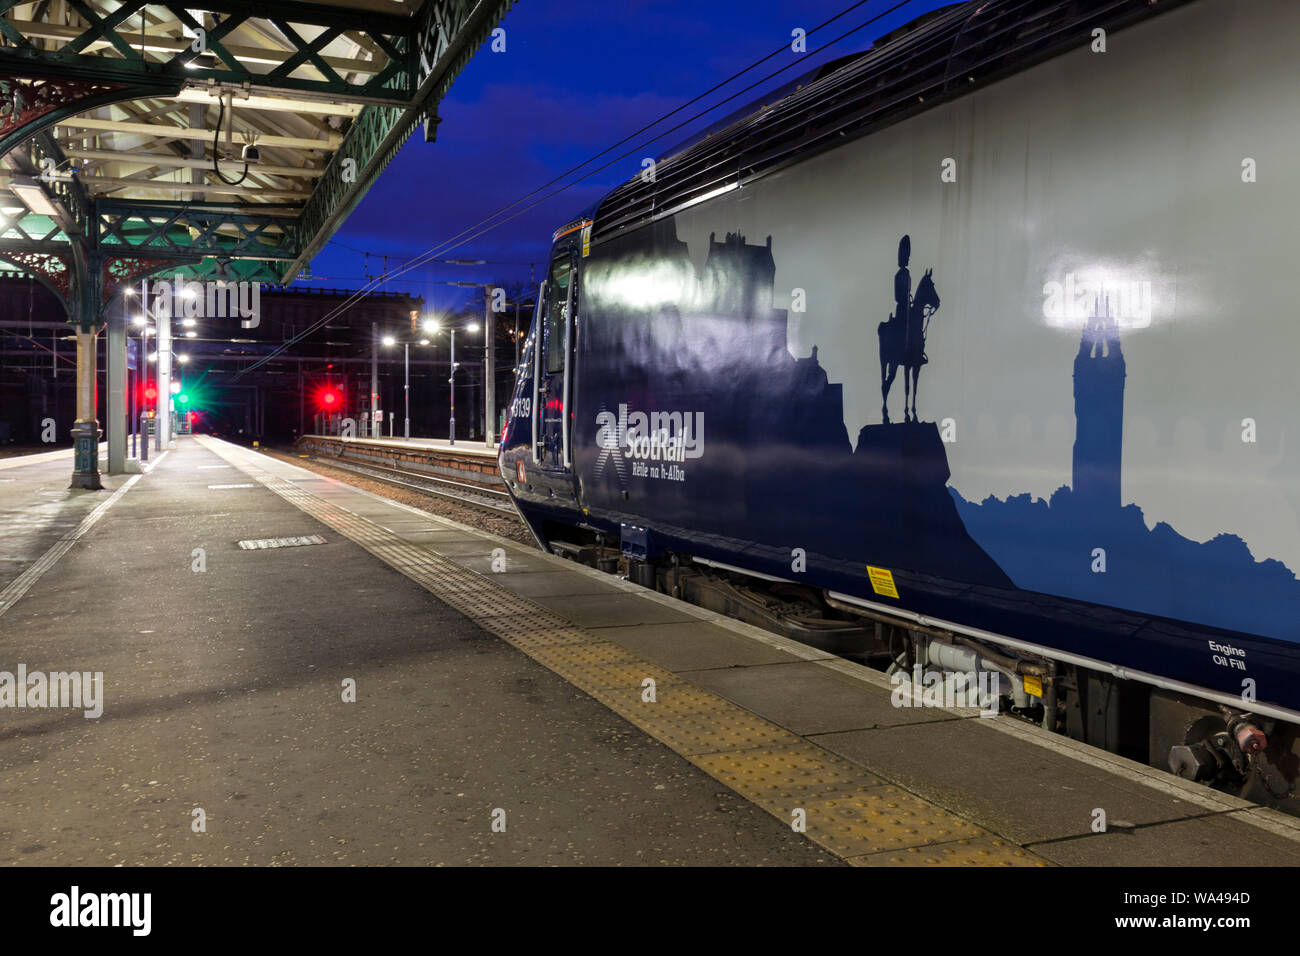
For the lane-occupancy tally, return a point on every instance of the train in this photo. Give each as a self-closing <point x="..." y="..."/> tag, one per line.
<point x="1074" y="224"/>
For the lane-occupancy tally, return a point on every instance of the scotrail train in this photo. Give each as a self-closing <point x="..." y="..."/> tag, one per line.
<point x="1073" y="223"/>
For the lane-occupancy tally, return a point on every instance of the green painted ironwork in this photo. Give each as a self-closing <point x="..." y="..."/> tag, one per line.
<point x="162" y="228"/>
<point x="390" y="81"/>
<point x="425" y="53"/>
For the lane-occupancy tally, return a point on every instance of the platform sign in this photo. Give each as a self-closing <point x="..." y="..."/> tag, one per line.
<point x="379" y="416"/>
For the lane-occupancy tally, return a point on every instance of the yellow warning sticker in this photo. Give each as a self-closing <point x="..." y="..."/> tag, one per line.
<point x="586" y="240"/>
<point x="1033" y="686"/>
<point x="882" y="581"/>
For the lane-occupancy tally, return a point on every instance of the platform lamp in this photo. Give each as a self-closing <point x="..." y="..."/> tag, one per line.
<point x="388" y="342"/>
<point x="432" y="327"/>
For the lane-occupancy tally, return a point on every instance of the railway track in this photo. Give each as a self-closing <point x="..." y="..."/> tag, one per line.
<point x="461" y="491"/>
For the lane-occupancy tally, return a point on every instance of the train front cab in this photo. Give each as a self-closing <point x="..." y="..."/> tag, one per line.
<point x="536" y="455"/>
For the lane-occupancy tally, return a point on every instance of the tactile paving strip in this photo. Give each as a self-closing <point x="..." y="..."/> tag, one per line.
<point x="980" y="851"/>
<point x="845" y="809"/>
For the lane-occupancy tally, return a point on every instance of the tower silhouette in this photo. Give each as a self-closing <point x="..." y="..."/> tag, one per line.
<point x="1099" y="411"/>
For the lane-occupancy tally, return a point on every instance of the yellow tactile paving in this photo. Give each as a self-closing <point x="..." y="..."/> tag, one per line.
<point x="776" y="776"/>
<point x="981" y="851"/>
<point x="834" y="803"/>
<point x="692" y="722"/>
<point x="881" y="818"/>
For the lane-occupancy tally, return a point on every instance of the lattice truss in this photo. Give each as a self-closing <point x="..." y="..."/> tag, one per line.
<point x="127" y="104"/>
<point x="297" y="84"/>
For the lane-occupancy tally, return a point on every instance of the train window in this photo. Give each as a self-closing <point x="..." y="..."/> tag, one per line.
<point x="557" y="314"/>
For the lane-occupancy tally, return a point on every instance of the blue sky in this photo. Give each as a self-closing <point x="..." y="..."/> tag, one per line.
<point x="574" y="78"/>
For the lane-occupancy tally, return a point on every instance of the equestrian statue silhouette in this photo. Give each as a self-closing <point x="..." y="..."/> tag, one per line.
<point x="902" y="338"/>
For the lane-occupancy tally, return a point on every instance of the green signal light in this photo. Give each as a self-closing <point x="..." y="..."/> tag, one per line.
<point x="183" y="398"/>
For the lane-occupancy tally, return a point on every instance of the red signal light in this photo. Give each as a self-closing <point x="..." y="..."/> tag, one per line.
<point x="330" y="398"/>
<point x="150" y="392"/>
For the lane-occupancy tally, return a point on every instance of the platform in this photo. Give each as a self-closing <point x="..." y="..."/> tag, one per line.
<point x="463" y="446"/>
<point x="609" y="724"/>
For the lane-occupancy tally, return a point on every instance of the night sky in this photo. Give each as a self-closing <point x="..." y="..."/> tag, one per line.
<point x="575" y="78"/>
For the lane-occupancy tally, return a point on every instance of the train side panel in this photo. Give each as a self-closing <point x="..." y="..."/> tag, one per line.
<point x="1079" y="277"/>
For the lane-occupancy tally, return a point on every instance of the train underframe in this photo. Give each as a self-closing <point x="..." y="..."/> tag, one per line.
<point x="1251" y="756"/>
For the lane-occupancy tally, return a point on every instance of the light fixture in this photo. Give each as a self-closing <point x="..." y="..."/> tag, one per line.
<point x="189" y="323"/>
<point x="32" y="195"/>
<point x="182" y="359"/>
<point x="176" y="388"/>
<point x="191" y="334"/>
<point x="138" y="320"/>
<point x="206" y="60"/>
<point x="389" y="340"/>
<point x="153" y="356"/>
<point x="431" y="325"/>
<point x="472" y="327"/>
<point x="424" y="341"/>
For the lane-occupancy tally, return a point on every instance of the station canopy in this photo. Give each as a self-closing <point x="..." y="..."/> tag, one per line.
<point x="223" y="139"/>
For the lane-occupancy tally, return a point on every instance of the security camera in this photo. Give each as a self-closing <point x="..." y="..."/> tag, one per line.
<point x="251" y="154"/>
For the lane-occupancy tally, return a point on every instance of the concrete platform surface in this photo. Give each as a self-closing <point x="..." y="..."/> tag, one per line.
<point x="223" y="693"/>
<point x="610" y="724"/>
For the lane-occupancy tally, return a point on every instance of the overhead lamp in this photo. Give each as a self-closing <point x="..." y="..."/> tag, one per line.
<point x="182" y="359"/>
<point x="153" y="356"/>
<point x="472" y="327"/>
<point x="176" y="388"/>
<point x="424" y="341"/>
<point x="207" y="60"/>
<point x="33" y="195"/>
<point x="389" y="340"/>
<point x="139" y="320"/>
<point x="189" y="323"/>
<point x="191" y="334"/>
<point x="431" y="325"/>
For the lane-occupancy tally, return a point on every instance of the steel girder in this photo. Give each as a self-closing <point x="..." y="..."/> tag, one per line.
<point x="163" y="228"/>
<point x="391" y="81"/>
<point x="29" y="104"/>
<point x="40" y="87"/>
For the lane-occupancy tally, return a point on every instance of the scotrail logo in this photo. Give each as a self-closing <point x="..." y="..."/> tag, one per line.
<point x="655" y="443"/>
<point x="214" y="299"/>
